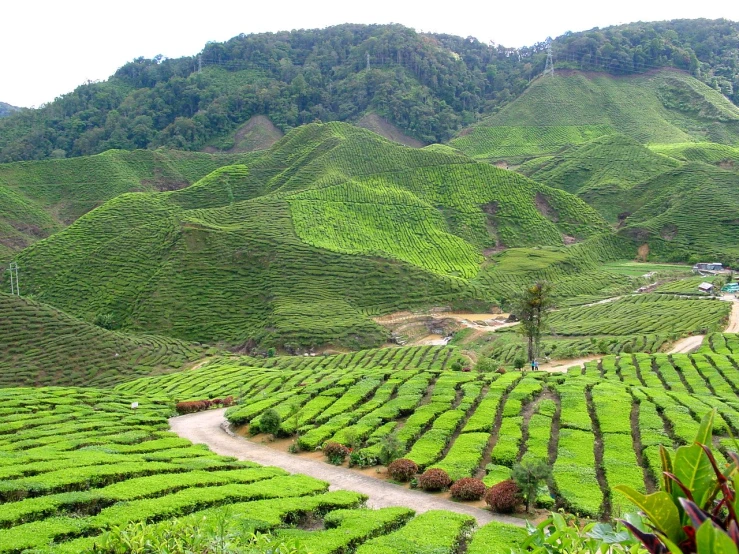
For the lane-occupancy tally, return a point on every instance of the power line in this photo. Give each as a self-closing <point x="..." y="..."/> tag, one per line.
<point x="14" y="284"/>
<point x="549" y="66"/>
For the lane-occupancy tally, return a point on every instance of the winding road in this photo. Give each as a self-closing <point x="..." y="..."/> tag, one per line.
<point x="690" y="344"/>
<point x="209" y="428"/>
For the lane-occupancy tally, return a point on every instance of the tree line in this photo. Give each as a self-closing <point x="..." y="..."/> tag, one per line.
<point x="429" y="85"/>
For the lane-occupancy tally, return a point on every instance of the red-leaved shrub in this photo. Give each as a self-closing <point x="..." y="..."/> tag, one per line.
<point x="503" y="497"/>
<point x="434" y="480"/>
<point x="192" y="406"/>
<point x="402" y="469"/>
<point x="335" y="452"/>
<point x="468" y="488"/>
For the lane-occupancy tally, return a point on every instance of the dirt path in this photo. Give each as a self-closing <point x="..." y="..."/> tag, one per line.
<point x="690" y="344"/>
<point x="733" y="326"/>
<point x="561" y="366"/>
<point x="687" y="345"/>
<point x="206" y="428"/>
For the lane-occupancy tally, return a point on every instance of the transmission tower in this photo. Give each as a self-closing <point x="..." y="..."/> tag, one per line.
<point x="549" y="67"/>
<point x="368" y="61"/>
<point x="14" y="284"/>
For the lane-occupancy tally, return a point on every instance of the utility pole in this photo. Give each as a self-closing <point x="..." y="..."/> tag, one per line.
<point x="200" y="63"/>
<point x="549" y="67"/>
<point x="14" y="284"/>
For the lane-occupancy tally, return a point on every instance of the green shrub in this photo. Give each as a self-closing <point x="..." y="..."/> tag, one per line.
<point x="270" y="422"/>
<point x="390" y="449"/>
<point x="529" y="476"/>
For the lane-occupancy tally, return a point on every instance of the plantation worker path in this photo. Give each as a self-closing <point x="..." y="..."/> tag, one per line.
<point x="561" y="366"/>
<point x="208" y="428"/>
<point x="733" y="326"/>
<point x="690" y="344"/>
<point x="687" y="345"/>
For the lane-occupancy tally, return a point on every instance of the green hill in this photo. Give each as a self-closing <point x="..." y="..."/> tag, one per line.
<point x="303" y="243"/>
<point x="428" y="86"/>
<point x="687" y="213"/>
<point x="39" y="198"/>
<point x="7" y="109"/>
<point x="708" y="152"/>
<point x="612" y="162"/>
<point x="572" y="107"/>
<point x="601" y="171"/>
<point x="40" y="345"/>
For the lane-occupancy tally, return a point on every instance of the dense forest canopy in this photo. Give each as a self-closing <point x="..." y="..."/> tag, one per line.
<point x="429" y="85"/>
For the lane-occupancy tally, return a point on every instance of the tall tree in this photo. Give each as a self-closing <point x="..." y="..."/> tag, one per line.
<point x="531" y="307"/>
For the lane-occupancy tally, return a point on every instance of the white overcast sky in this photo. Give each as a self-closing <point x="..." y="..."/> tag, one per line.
<point x="48" y="48"/>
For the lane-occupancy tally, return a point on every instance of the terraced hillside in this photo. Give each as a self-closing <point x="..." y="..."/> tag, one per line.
<point x="688" y="211"/>
<point x="601" y="171"/>
<point x="304" y="242"/>
<point x="598" y="426"/>
<point x="663" y="107"/>
<point x="679" y="200"/>
<point x="40" y="198"/>
<point x="654" y="154"/>
<point x="40" y="345"/>
<point x="634" y="323"/>
<point x="75" y="463"/>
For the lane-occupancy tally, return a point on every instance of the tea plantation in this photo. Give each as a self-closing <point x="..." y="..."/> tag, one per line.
<point x="300" y="246"/>
<point x="597" y="427"/>
<point x="40" y="345"/>
<point x="76" y="463"/>
<point x="40" y="198"/>
<point x="664" y="107"/>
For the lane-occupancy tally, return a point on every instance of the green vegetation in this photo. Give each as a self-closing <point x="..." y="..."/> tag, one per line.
<point x="632" y="323"/>
<point x="655" y="154"/>
<point x="82" y="471"/>
<point x="301" y="245"/>
<point x="596" y="427"/>
<point x="299" y="76"/>
<point x="40" y="198"/>
<point x="688" y="509"/>
<point x="576" y="108"/>
<point x="639" y="269"/>
<point x="6" y="109"/>
<point x="40" y="345"/>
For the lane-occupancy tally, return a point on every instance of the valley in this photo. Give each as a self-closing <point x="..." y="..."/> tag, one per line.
<point x="289" y="286"/>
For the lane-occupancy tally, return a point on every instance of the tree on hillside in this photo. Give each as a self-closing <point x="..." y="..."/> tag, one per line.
<point x="531" y="307"/>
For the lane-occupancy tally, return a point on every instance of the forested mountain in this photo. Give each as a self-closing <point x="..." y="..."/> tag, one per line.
<point x="7" y="109"/>
<point x="428" y="85"/>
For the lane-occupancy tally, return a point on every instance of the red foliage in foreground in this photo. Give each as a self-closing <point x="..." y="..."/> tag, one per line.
<point x="192" y="406"/>
<point x="434" y="480"/>
<point x="468" y="488"/>
<point x="402" y="469"/>
<point x="503" y="497"/>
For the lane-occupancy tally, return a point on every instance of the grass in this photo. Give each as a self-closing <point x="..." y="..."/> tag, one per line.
<point x="639" y="269"/>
